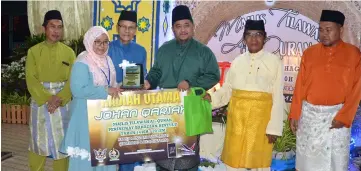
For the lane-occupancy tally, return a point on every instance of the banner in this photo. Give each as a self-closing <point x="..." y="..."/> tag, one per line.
<point x="289" y="33"/>
<point x="139" y="126"/>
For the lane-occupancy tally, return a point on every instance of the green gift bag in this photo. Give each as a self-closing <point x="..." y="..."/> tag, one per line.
<point x="197" y="113"/>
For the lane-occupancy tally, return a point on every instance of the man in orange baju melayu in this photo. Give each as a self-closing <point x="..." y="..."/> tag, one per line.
<point x="326" y="97"/>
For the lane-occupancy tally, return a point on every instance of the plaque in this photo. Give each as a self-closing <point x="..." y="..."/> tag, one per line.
<point x="172" y="151"/>
<point x="133" y="77"/>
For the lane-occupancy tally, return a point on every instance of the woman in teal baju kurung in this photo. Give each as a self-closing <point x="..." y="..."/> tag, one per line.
<point x="92" y="77"/>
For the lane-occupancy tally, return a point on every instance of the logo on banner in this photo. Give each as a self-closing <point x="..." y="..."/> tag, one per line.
<point x="114" y="154"/>
<point x="289" y="33"/>
<point x="100" y="155"/>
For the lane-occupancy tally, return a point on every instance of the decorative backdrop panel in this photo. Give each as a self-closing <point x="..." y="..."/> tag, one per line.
<point x="107" y="13"/>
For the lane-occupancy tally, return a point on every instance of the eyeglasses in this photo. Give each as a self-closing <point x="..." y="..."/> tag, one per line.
<point x="131" y="28"/>
<point x="254" y="34"/>
<point x="99" y="43"/>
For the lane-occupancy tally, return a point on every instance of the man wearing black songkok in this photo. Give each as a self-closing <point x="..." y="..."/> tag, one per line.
<point x="325" y="99"/>
<point x="125" y="48"/>
<point x="47" y="69"/>
<point x="254" y="85"/>
<point x="182" y="63"/>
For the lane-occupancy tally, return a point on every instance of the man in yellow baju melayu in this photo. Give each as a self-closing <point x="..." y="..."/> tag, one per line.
<point x="254" y="90"/>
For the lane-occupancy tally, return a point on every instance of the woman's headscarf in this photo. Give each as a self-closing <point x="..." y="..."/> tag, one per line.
<point x="98" y="63"/>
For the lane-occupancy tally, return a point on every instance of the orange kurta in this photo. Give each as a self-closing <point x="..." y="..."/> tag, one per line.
<point x="329" y="76"/>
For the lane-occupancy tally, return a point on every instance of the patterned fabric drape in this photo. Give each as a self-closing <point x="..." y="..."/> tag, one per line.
<point x="77" y="16"/>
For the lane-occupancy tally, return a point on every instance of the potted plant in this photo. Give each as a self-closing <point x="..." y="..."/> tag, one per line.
<point x="285" y="145"/>
<point x="284" y="149"/>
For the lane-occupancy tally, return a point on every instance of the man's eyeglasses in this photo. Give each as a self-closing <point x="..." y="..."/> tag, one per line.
<point x="99" y="43"/>
<point x="254" y="34"/>
<point x="131" y="28"/>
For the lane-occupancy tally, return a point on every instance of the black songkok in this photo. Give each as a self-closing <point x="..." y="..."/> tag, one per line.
<point x="128" y="16"/>
<point x="181" y="12"/>
<point x="333" y="16"/>
<point x="52" y="15"/>
<point x="254" y="25"/>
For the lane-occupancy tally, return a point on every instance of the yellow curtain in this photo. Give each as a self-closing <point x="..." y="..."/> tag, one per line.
<point x="77" y="16"/>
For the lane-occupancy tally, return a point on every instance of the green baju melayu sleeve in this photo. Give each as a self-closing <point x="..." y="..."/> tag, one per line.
<point x="48" y="63"/>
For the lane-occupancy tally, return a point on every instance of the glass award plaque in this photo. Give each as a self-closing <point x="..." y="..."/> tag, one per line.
<point x="133" y="77"/>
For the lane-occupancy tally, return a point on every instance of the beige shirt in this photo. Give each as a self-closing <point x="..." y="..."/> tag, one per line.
<point x="263" y="72"/>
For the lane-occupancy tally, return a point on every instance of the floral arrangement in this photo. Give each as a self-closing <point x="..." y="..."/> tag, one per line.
<point x="13" y="77"/>
<point x="14" y="71"/>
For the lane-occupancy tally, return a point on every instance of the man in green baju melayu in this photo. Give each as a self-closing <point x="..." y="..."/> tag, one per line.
<point x="183" y="63"/>
<point x="47" y="70"/>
